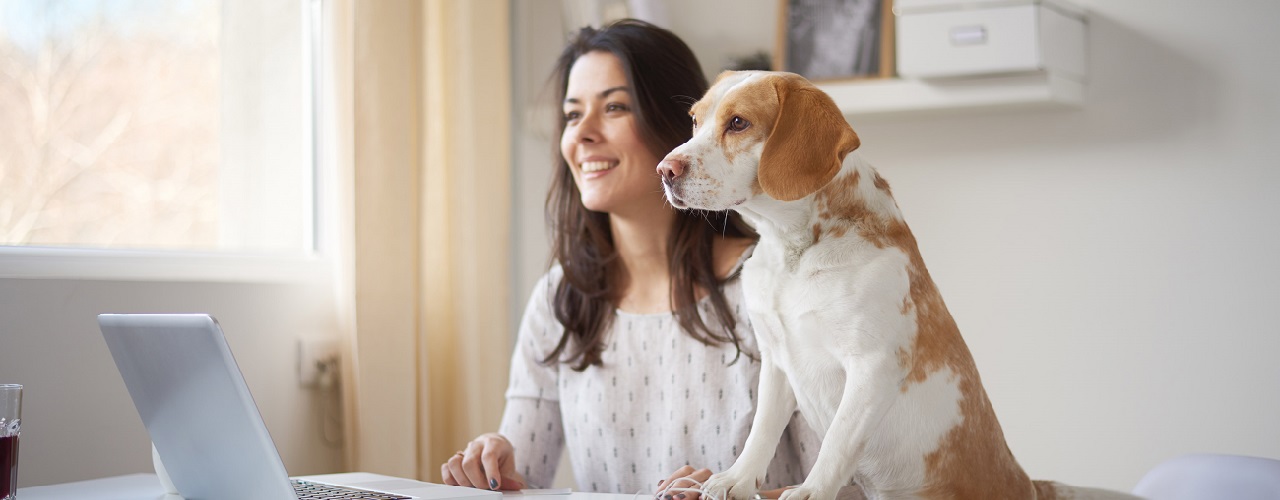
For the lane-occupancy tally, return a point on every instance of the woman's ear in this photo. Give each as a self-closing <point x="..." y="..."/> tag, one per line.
<point x="808" y="143"/>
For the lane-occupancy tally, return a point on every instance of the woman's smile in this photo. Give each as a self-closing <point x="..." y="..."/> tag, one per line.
<point x="597" y="168"/>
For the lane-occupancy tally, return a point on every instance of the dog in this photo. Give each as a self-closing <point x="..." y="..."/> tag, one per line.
<point x="851" y="329"/>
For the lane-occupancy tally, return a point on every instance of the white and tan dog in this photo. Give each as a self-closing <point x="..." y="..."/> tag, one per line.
<point x="851" y="329"/>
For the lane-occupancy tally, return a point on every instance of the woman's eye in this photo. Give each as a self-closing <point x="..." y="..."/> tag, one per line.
<point x="737" y="124"/>
<point x="613" y="106"/>
<point x="572" y="115"/>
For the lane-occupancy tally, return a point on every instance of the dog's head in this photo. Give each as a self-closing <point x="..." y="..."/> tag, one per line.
<point x="756" y="133"/>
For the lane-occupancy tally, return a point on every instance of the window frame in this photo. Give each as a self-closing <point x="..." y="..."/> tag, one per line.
<point x="147" y="265"/>
<point x="308" y="264"/>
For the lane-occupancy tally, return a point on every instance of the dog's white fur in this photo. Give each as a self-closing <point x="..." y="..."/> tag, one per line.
<point x="851" y="329"/>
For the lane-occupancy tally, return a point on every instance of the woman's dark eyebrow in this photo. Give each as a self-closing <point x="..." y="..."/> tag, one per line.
<point x="574" y="100"/>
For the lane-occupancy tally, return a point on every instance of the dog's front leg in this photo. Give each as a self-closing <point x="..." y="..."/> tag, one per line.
<point x="868" y="390"/>
<point x="775" y="404"/>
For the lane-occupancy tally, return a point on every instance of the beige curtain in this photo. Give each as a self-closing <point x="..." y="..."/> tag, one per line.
<point x="427" y="158"/>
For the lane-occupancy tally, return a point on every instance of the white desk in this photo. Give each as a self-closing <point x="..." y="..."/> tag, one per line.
<point x="130" y="487"/>
<point x="147" y="487"/>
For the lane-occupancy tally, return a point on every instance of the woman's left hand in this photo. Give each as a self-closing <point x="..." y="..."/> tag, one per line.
<point x="684" y="477"/>
<point x="688" y="477"/>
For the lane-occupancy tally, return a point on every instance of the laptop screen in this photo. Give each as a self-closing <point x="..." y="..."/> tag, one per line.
<point x="196" y="406"/>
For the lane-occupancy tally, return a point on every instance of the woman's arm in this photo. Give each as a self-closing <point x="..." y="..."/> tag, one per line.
<point x="532" y="419"/>
<point x="526" y="449"/>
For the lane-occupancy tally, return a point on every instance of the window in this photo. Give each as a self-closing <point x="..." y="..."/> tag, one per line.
<point x="155" y="128"/>
<point x="156" y="125"/>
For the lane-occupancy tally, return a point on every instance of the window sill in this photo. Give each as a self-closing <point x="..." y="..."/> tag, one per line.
<point x="146" y="265"/>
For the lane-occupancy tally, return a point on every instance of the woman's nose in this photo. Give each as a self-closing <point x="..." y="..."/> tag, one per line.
<point x="588" y="129"/>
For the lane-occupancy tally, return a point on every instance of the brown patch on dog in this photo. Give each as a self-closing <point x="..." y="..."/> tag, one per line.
<point x="722" y="76"/>
<point x="840" y="207"/>
<point x="699" y="110"/>
<point x="904" y="362"/>
<point x="972" y="460"/>
<point x="837" y="205"/>
<point x="807" y="142"/>
<point x="755" y="102"/>
<point x="882" y="184"/>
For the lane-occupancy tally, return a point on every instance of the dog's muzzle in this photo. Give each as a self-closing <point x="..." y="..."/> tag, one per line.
<point x="670" y="170"/>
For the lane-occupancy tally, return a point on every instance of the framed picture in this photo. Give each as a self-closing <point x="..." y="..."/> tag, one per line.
<point x="835" y="39"/>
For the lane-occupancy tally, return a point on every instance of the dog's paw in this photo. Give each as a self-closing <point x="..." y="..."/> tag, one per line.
<point x="730" y="485"/>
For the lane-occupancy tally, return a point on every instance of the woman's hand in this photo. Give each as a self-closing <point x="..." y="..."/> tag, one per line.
<point x="488" y="462"/>
<point x="686" y="476"/>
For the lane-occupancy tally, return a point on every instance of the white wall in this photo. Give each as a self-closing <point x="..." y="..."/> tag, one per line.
<point x="536" y="39"/>
<point x="78" y="420"/>
<point x="1111" y="267"/>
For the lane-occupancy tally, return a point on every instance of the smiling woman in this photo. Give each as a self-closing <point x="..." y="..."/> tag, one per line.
<point x="638" y="324"/>
<point x="611" y="164"/>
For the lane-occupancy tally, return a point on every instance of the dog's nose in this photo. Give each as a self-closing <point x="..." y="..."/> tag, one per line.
<point x="671" y="168"/>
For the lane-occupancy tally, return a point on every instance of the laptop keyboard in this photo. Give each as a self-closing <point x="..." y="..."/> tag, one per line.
<point x="308" y="490"/>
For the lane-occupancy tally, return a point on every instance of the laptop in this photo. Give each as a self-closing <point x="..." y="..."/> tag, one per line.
<point x="205" y="426"/>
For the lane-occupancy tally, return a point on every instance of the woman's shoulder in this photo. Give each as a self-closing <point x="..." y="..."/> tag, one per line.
<point x="729" y="254"/>
<point x="552" y="277"/>
<point x="539" y="313"/>
<point x="544" y="291"/>
<point x="545" y="288"/>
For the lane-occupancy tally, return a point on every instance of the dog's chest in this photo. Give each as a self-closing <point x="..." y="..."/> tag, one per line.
<point x="779" y="295"/>
<point x="793" y="312"/>
<point x="811" y="310"/>
<point x="809" y="300"/>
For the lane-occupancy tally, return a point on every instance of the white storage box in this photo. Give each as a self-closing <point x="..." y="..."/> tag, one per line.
<point x="950" y="38"/>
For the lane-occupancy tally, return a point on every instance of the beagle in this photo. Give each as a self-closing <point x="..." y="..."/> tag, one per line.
<point x="852" y="331"/>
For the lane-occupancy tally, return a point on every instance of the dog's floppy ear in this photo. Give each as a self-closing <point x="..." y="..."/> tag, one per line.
<point x="808" y="143"/>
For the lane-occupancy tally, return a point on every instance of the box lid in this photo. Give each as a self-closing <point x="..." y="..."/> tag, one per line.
<point x="906" y="7"/>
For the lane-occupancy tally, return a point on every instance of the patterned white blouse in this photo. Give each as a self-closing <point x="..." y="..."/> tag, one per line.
<point x="661" y="400"/>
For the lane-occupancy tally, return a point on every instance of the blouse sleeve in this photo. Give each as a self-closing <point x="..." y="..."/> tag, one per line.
<point x="807" y="442"/>
<point x="531" y="420"/>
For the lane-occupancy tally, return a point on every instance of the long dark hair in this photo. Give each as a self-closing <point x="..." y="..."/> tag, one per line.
<point x="666" y="79"/>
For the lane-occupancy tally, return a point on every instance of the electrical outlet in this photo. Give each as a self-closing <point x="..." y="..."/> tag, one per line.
<point x="317" y="361"/>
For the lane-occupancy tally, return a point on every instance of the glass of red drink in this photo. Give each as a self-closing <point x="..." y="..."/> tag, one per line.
<point x="10" y="427"/>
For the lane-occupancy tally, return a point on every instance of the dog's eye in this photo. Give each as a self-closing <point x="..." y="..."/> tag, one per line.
<point x="737" y="124"/>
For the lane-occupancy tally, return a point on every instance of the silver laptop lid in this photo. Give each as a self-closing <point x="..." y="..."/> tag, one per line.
<point x="196" y="406"/>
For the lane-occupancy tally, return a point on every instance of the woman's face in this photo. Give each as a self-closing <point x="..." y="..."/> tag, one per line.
<point x="614" y="170"/>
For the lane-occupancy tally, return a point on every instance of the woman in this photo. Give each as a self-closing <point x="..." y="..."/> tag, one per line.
<point x="634" y="350"/>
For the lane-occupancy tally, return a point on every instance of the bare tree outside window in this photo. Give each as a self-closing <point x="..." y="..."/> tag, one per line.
<point x="109" y="123"/>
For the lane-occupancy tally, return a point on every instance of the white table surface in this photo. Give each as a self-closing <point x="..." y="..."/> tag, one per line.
<point x="147" y="487"/>
<point x="129" y="487"/>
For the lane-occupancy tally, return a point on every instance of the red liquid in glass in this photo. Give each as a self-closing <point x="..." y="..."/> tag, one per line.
<point x="8" y="466"/>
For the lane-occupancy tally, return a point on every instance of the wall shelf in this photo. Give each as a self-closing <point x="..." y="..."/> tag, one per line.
<point x="876" y="98"/>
